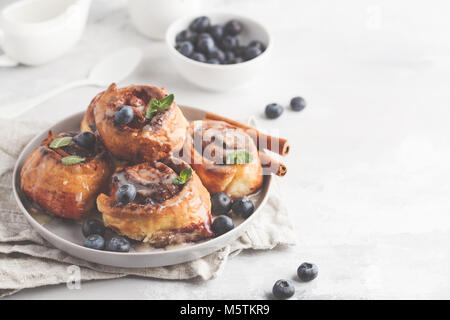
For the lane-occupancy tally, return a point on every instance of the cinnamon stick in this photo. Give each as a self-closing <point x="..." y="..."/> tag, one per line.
<point x="271" y="165"/>
<point x="262" y="140"/>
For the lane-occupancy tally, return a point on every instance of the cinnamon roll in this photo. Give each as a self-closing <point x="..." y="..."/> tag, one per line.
<point x="137" y="123"/>
<point x="66" y="173"/>
<point x="224" y="156"/>
<point x="166" y="203"/>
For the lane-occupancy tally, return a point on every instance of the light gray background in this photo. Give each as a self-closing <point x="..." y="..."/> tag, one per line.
<point x="368" y="182"/>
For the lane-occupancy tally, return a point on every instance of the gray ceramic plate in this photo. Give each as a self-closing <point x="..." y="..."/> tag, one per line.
<point x="66" y="235"/>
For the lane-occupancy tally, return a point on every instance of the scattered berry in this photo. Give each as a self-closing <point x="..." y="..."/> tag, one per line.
<point x="273" y="110"/>
<point x="124" y="116"/>
<point x="298" y="103"/>
<point x="243" y="207"/>
<point x="85" y="139"/>
<point x="283" y="289"/>
<point x="307" y="271"/>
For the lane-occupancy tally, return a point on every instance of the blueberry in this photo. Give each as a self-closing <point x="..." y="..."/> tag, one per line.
<point x="198" y="57"/>
<point x="200" y="24"/>
<point x="126" y="193"/>
<point x="233" y="27"/>
<point x="243" y="207"/>
<point x="229" y="56"/>
<point x="205" y="35"/>
<point x="251" y="53"/>
<point x="124" y="116"/>
<point x="273" y="110"/>
<point x="186" y="35"/>
<point x="92" y="226"/>
<point x="118" y="244"/>
<point x="238" y="60"/>
<point x="213" y="61"/>
<point x="258" y="44"/>
<point x="298" y="103"/>
<point x="186" y="48"/>
<point x="307" y="271"/>
<point x="217" y="54"/>
<point x="94" y="241"/>
<point x="283" y="289"/>
<point x="85" y="139"/>
<point x="239" y="51"/>
<point x="229" y="42"/>
<point x="205" y="45"/>
<point x="220" y="203"/>
<point x="222" y="224"/>
<point x="216" y="32"/>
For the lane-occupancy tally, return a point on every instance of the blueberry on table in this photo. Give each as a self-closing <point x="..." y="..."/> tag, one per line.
<point x="217" y="54"/>
<point x="186" y="48"/>
<point x="200" y="24"/>
<point x="124" y="116"/>
<point x="216" y="32"/>
<point x="126" y="193"/>
<point x="283" y="289"/>
<point x="273" y="110"/>
<point x="220" y="203"/>
<point x="229" y="42"/>
<point x="307" y="271"/>
<point x="257" y="44"/>
<point x="197" y="56"/>
<point x="243" y="207"/>
<point x="118" y="244"/>
<point x="233" y="27"/>
<point x="251" y="53"/>
<point x="94" y="241"/>
<point x="186" y="35"/>
<point x="298" y="103"/>
<point x="221" y="225"/>
<point x="92" y="226"/>
<point x="205" y="45"/>
<point x="85" y="139"/>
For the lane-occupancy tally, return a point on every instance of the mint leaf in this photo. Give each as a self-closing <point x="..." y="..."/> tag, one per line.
<point x="70" y="160"/>
<point x="60" y="142"/>
<point x="238" y="157"/>
<point x="157" y="105"/>
<point x="183" y="177"/>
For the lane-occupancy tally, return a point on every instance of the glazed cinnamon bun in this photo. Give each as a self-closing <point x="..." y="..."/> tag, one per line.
<point x="225" y="157"/>
<point x="137" y="123"/>
<point x="160" y="202"/>
<point x="66" y="173"/>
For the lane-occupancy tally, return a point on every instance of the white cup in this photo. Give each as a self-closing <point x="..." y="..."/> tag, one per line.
<point x="152" y="17"/>
<point x="34" y="32"/>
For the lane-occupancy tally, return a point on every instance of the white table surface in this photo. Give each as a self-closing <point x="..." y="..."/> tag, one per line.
<point x="368" y="185"/>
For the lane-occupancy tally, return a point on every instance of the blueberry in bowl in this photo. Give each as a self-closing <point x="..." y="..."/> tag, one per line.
<point x="231" y="49"/>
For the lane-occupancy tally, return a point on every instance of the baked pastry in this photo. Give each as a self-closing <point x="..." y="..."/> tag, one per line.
<point x="224" y="156"/>
<point x="163" y="210"/>
<point x="66" y="173"/>
<point x="137" y="123"/>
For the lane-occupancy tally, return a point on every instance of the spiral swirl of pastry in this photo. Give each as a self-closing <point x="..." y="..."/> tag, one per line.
<point x="68" y="191"/>
<point x="162" y="213"/>
<point x="142" y="139"/>
<point x="208" y="142"/>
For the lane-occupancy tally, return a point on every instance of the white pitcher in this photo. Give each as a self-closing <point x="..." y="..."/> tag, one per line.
<point x="34" y="32"/>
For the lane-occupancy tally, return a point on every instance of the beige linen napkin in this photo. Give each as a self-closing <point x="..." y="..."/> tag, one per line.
<point x="27" y="260"/>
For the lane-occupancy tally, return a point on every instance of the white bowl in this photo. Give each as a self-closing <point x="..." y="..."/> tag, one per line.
<point x="220" y="77"/>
